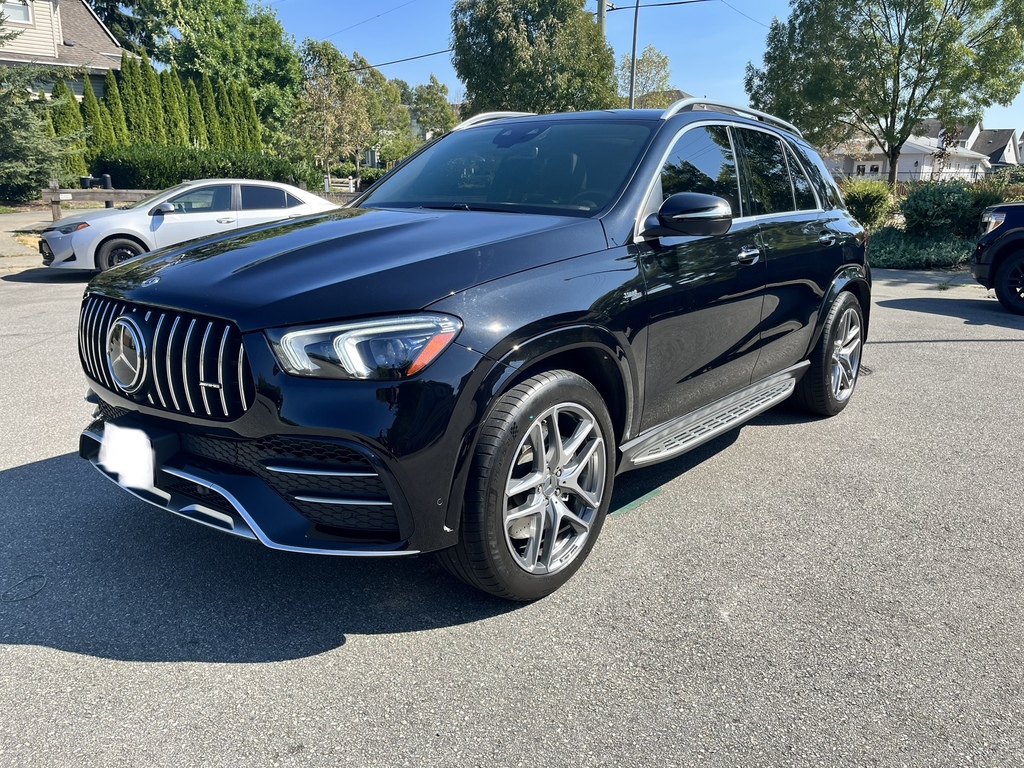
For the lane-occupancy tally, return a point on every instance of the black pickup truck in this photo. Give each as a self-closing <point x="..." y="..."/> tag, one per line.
<point x="999" y="257"/>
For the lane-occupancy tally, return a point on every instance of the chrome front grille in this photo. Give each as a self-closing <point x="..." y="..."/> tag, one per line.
<point x="194" y="365"/>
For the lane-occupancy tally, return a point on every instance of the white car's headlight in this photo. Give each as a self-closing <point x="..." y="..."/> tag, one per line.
<point x="67" y="229"/>
<point x="384" y="348"/>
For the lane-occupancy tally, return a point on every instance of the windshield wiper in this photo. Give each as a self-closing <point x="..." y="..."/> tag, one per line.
<point x="469" y="207"/>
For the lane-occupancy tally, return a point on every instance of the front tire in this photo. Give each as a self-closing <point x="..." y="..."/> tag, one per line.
<point x="1009" y="284"/>
<point x="116" y="251"/>
<point x="539" y="490"/>
<point x="828" y="385"/>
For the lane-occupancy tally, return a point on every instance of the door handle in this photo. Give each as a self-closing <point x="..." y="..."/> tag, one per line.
<point x="827" y="239"/>
<point x="225" y="221"/>
<point x="749" y="255"/>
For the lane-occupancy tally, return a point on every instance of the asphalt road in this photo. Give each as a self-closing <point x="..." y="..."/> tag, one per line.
<point x="800" y="592"/>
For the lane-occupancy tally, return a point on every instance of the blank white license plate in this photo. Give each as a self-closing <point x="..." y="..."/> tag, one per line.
<point x="128" y="453"/>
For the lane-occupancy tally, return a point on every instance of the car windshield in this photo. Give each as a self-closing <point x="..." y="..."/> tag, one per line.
<point x="570" y="167"/>
<point x="147" y="200"/>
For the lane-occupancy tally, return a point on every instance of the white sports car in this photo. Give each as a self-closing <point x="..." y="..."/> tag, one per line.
<point x="97" y="240"/>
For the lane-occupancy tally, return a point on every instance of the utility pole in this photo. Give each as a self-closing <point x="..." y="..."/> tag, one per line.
<point x="632" y="61"/>
<point x="602" y="9"/>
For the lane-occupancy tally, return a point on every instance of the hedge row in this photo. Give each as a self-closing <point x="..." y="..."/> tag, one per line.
<point x="140" y="167"/>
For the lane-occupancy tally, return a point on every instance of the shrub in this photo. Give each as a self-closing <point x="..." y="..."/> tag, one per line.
<point x="369" y="175"/>
<point x="140" y="167"/>
<point x="892" y="248"/>
<point x="939" y="209"/>
<point x="868" y="201"/>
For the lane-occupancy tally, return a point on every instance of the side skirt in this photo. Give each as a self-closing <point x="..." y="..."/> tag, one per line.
<point x="685" y="433"/>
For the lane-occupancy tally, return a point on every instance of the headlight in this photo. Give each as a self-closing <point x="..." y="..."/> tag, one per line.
<point x="67" y="229"/>
<point x="385" y="348"/>
<point x="991" y="220"/>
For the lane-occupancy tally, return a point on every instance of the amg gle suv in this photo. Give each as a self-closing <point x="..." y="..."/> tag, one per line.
<point x="463" y="359"/>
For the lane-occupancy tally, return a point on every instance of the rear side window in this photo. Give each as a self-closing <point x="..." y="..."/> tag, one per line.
<point x="260" y="198"/>
<point x="771" y="190"/>
<point x="702" y="160"/>
<point x="293" y="201"/>
<point x="820" y="178"/>
<point x="805" y="200"/>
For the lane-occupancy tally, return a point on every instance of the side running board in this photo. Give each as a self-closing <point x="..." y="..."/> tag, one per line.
<point x="678" y="436"/>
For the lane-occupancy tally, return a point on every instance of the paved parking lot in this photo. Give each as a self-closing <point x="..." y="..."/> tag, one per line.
<point x="841" y="592"/>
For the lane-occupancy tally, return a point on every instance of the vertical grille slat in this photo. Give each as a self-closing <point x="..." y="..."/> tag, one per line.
<point x="220" y="370"/>
<point x="185" y="359"/>
<point x="202" y="368"/>
<point x="184" y="366"/>
<point x="156" y="362"/>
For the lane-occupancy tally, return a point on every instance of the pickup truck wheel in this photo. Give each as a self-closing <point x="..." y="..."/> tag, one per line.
<point x="116" y="251"/>
<point x="828" y="385"/>
<point x="1009" y="284"/>
<point x="539" y="489"/>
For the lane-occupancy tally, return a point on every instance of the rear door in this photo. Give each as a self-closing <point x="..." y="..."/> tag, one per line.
<point x="704" y="294"/>
<point x="198" y="212"/>
<point x="800" y="249"/>
<point x="262" y="203"/>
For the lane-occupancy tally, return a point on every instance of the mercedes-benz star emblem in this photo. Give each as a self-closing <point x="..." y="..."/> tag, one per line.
<point x="126" y="354"/>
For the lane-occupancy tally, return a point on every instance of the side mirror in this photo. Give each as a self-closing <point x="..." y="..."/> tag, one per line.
<point x="161" y="209"/>
<point x="690" y="213"/>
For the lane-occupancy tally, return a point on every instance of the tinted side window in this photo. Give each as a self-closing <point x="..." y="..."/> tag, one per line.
<point x="293" y="201"/>
<point x="702" y="160"/>
<point x="805" y="200"/>
<point x="259" y="198"/>
<point x="770" y="188"/>
<point x="203" y="200"/>
<point x="820" y="178"/>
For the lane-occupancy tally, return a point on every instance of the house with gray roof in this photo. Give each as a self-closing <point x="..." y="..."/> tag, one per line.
<point x="60" y="33"/>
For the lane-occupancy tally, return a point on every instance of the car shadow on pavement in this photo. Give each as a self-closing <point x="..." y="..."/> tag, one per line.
<point x="86" y="568"/>
<point x="44" y="275"/>
<point x="971" y="311"/>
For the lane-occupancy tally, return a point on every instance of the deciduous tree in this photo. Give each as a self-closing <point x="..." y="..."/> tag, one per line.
<point x="431" y="109"/>
<point x="652" y="84"/>
<point x="535" y="55"/>
<point x="878" y="68"/>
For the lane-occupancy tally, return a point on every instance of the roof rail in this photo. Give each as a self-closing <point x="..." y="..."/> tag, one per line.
<point x="486" y="117"/>
<point x="688" y="105"/>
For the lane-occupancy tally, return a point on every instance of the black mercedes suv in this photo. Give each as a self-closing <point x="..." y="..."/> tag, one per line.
<point x="463" y="359"/>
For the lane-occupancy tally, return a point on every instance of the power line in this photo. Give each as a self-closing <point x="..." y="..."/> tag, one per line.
<point x="399" y="61"/>
<point x="365" y="21"/>
<point x="654" y="5"/>
<point x="741" y="13"/>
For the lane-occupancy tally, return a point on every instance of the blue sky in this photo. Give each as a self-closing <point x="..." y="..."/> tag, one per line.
<point x="708" y="43"/>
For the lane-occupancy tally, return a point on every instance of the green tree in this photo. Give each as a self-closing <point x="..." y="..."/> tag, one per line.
<point x="99" y="134"/>
<point x="154" y="102"/>
<point x="133" y="96"/>
<point x="175" y="110"/>
<point x="431" y="109"/>
<point x="196" y="119"/>
<point x="214" y="134"/>
<point x="30" y="151"/>
<point x="878" y="68"/>
<point x="390" y="123"/>
<point x="68" y="124"/>
<point x="535" y="55"/>
<point x="652" y="84"/>
<point x="112" y="102"/>
<point x="406" y="93"/>
<point x="228" y="121"/>
<point x="332" y="120"/>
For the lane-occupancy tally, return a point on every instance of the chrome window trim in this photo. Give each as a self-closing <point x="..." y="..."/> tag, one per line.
<point x="638" y="222"/>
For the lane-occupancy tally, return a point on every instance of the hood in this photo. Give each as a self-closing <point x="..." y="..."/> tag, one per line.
<point x="349" y="263"/>
<point x="90" y="216"/>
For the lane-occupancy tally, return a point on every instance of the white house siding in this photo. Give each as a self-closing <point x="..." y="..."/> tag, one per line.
<point x="41" y="37"/>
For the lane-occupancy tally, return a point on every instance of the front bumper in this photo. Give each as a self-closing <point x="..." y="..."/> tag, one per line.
<point x="331" y="508"/>
<point x="58" y="251"/>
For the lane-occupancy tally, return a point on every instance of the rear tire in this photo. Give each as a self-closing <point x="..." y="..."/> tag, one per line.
<point x="116" y="251"/>
<point x="539" y="488"/>
<point x="828" y="385"/>
<point x="1009" y="284"/>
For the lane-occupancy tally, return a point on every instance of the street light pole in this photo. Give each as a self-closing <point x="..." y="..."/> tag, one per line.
<point x="632" y="61"/>
<point x="602" y="9"/>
